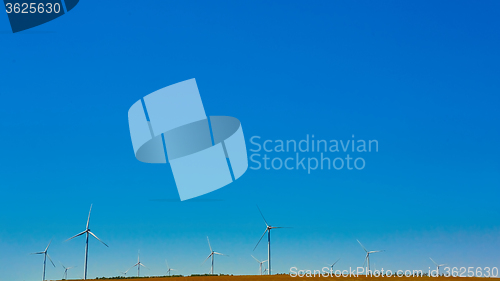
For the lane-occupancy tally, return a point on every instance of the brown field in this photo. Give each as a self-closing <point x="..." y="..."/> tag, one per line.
<point x="286" y="277"/>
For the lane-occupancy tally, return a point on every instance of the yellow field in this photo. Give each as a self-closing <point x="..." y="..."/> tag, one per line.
<point x="289" y="278"/>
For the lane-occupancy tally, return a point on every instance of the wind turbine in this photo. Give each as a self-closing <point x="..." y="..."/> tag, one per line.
<point x="65" y="275"/>
<point x="124" y="273"/>
<point x="437" y="265"/>
<point x="168" y="268"/>
<point x="212" y="254"/>
<point x="334" y="263"/>
<point x="45" y="256"/>
<point x="138" y="264"/>
<point x="260" y="264"/>
<point x="367" y="258"/>
<point x="87" y="232"/>
<point x="268" y="230"/>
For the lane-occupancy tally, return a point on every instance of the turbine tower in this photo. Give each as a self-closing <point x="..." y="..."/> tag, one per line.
<point x="268" y="230"/>
<point x="45" y="256"/>
<point x="168" y="268"/>
<point x="212" y="254"/>
<point x="437" y="265"/>
<point x="260" y="264"/>
<point x="367" y="258"/>
<point x="138" y="264"/>
<point x="87" y="232"/>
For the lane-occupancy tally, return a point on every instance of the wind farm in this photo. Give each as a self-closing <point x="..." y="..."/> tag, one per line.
<point x="263" y="271"/>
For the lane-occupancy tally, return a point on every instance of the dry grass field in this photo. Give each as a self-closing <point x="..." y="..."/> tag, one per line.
<point x="289" y="278"/>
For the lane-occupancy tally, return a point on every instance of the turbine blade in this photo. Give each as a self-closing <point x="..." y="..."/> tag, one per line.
<point x="260" y="239"/>
<point x="376" y="251"/>
<point x="255" y="259"/>
<point x="130" y="268"/>
<point x="335" y="262"/>
<point x="434" y="262"/>
<point x="81" y="233"/>
<point x="38" y="253"/>
<point x="207" y="258"/>
<point x="366" y="258"/>
<point x="442" y="264"/>
<point x="143" y="265"/>
<point x="220" y="254"/>
<point x="209" y="245"/>
<point x="362" y="246"/>
<point x="168" y="267"/>
<point x="48" y="245"/>
<point x="50" y="260"/>
<point x="262" y="216"/>
<point x="88" y="220"/>
<point x="98" y="238"/>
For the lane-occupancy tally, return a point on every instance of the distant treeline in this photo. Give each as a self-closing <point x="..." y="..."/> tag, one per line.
<point x="166" y="276"/>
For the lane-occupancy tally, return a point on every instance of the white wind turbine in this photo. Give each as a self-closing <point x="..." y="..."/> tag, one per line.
<point x="268" y="230"/>
<point x="367" y="258"/>
<point x="260" y="264"/>
<point x="437" y="265"/>
<point x="168" y="268"/>
<point x="87" y="232"/>
<point x="45" y="256"/>
<point x="334" y="264"/>
<point x="138" y="264"/>
<point x="65" y="275"/>
<point x="212" y="254"/>
<point x="123" y="272"/>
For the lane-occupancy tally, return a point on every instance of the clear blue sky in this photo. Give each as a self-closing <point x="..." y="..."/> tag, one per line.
<point x="420" y="77"/>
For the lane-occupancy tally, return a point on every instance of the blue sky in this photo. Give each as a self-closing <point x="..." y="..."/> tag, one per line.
<point x="419" y="77"/>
